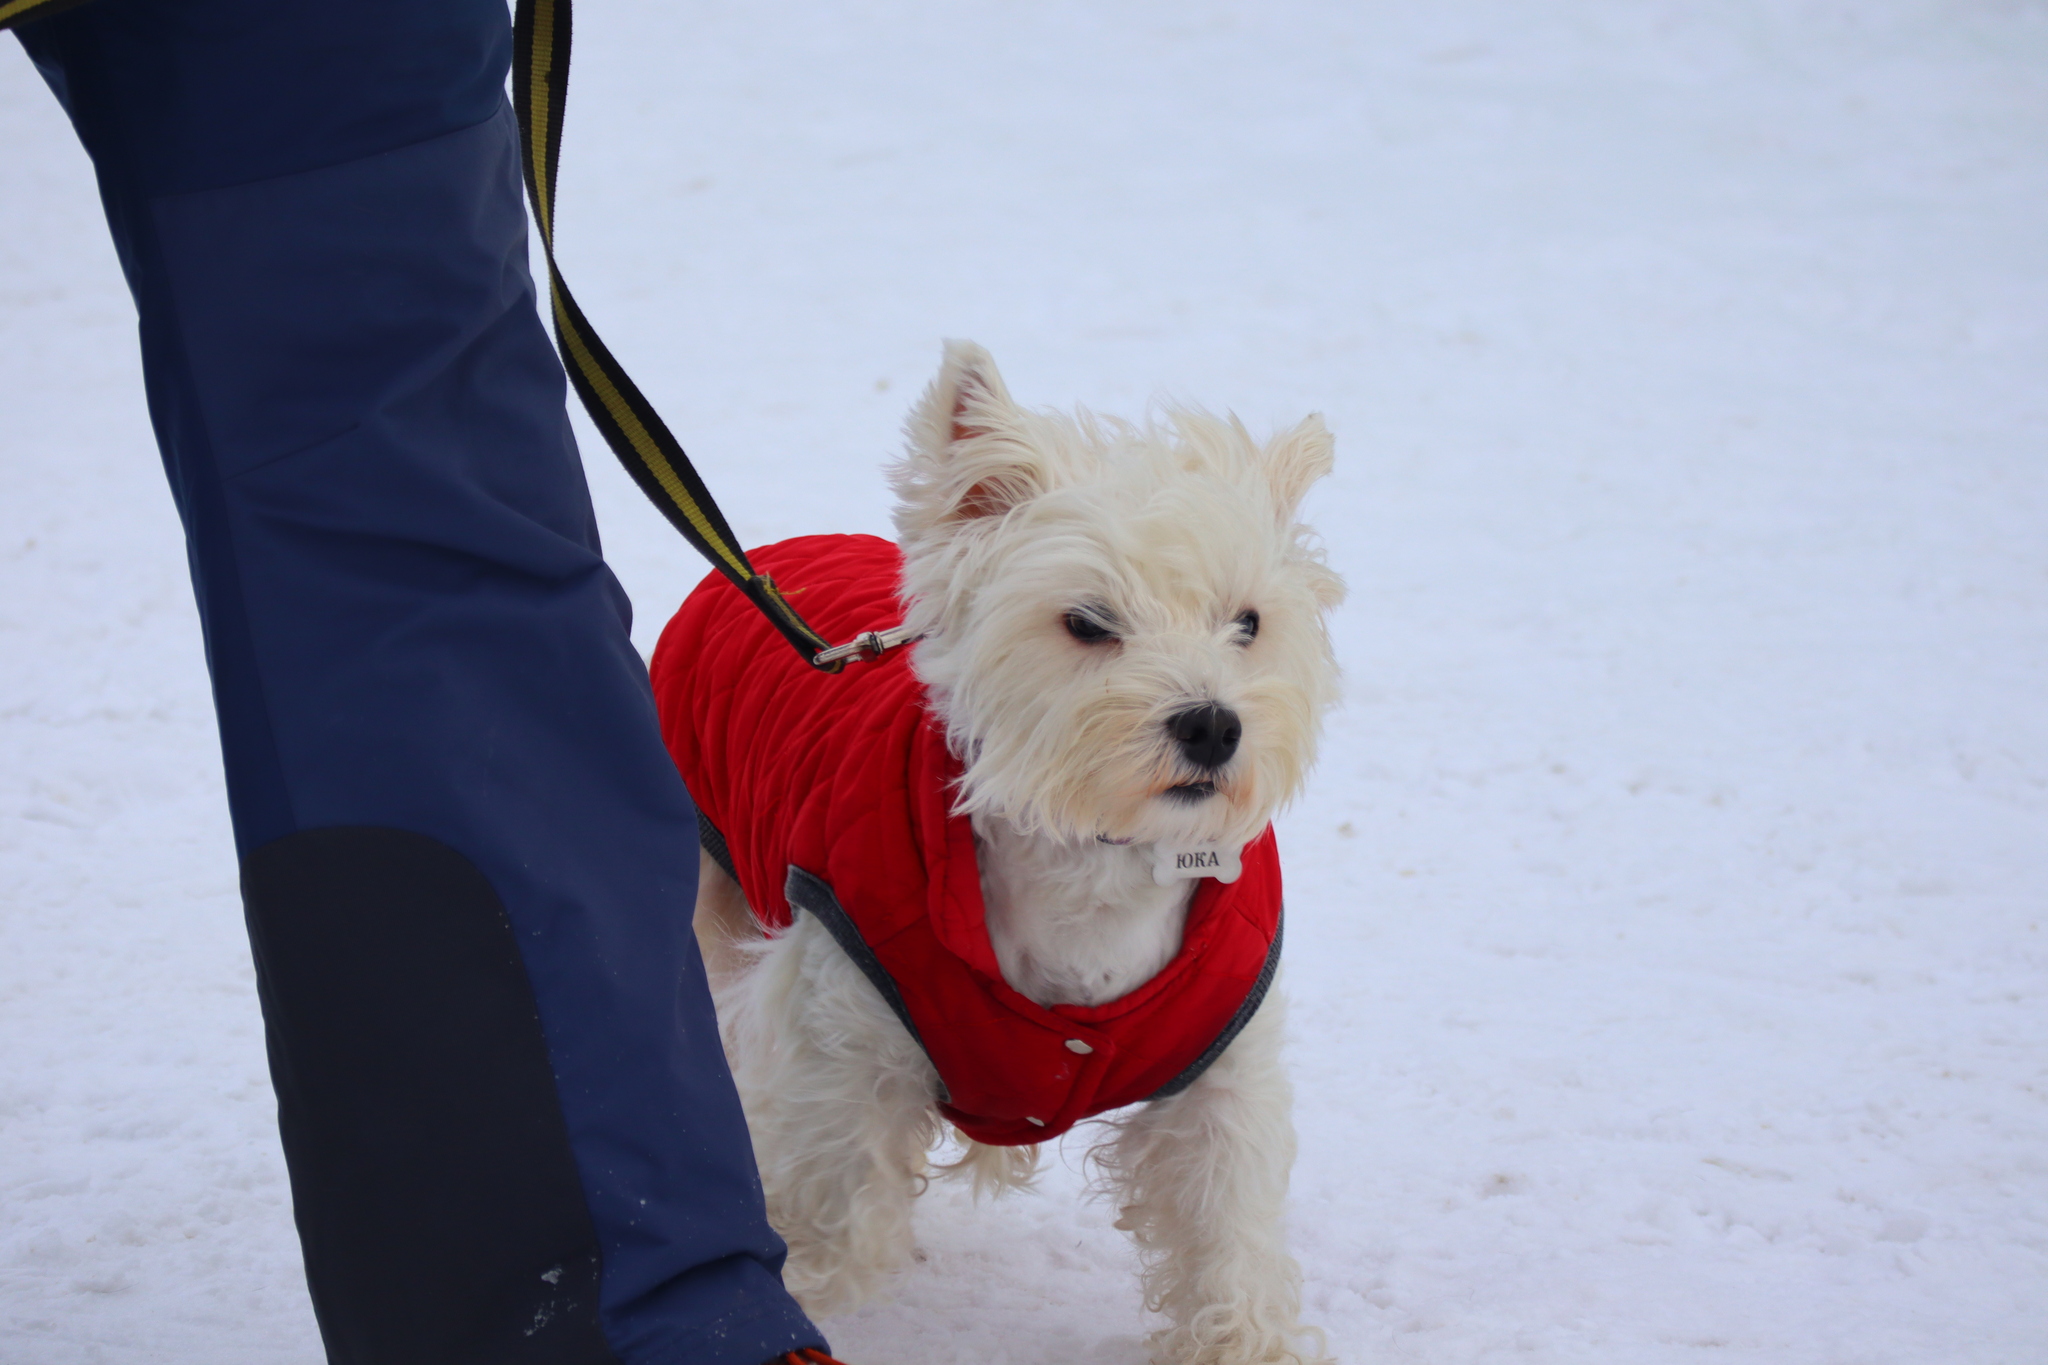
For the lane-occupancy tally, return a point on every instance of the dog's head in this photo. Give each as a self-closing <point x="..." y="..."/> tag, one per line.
<point x="1124" y="625"/>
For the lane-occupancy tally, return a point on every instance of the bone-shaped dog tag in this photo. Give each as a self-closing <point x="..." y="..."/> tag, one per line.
<point x="1184" y="862"/>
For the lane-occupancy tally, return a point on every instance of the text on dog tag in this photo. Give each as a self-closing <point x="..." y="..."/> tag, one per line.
<point x="1184" y="862"/>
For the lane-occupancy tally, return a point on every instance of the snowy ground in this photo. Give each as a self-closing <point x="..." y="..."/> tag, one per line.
<point x="1667" y="919"/>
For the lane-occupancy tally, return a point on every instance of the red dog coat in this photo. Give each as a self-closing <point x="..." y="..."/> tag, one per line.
<point x="832" y="795"/>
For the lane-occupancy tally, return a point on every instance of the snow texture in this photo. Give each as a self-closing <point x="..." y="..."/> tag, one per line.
<point x="1666" y="932"/>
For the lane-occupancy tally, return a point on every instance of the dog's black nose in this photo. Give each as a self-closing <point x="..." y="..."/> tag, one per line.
<point x="1207" y="734"/>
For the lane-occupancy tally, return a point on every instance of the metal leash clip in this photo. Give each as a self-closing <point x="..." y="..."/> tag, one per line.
<point x="872" y="645"/>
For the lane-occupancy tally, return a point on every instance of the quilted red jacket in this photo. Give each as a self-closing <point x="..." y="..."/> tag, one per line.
<point x="831" y="794"/>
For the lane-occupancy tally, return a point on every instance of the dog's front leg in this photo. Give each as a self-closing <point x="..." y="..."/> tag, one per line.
<point x="1201" y="1184"/>
<point x="839" y="1100"/>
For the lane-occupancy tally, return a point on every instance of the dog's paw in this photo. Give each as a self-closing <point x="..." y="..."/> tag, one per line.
<point x="824" y="1286"/>
<point x="1225" y="1335"/>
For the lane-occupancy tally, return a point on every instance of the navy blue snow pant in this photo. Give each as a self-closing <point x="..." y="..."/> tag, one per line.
<point x="468" y="864"/>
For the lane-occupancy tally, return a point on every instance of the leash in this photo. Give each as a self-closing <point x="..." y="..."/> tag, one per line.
<point x="631" y="427"/>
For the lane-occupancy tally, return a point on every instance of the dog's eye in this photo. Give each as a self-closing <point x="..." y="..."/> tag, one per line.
<point x="1087" y="629"/>
<point x="1249" y="624"/>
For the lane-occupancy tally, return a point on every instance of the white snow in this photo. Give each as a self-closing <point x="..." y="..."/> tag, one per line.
<point x="1666" y="933"/>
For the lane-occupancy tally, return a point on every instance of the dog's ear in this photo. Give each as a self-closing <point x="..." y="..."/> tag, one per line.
<point x="1295" y="460"/>
<point x="967" y="459"/>
<point x="967" y="400"/>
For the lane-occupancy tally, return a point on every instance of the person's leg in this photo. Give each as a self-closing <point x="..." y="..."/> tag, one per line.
<point x="468" y="863"/>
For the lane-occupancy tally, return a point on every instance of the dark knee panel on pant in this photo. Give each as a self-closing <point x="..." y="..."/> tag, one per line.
<point x="436" y="1196"/>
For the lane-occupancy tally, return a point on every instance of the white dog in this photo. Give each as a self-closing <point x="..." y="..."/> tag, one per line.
<point x="1122" y="670"/>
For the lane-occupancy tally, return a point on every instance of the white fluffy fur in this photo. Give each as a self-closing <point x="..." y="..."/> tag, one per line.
<point x="1169" y="533"/>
